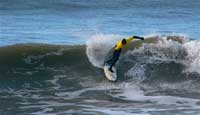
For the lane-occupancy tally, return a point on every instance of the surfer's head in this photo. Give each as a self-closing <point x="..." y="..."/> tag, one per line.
<point x="124" y="41"/>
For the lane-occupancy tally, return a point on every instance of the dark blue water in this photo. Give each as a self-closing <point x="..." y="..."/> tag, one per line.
<point x="74" y="21"/>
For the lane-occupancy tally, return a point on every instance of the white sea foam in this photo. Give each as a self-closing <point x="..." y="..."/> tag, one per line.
<point x="193" y="50"/>
<point x="98" y="47"/>
<point x="131" y="94"/>
<point x="169" y="50"/>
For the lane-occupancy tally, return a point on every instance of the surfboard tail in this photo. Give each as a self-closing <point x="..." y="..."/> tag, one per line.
<point x="111" y="76"/>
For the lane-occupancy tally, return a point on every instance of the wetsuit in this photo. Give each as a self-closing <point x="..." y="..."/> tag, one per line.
<point x="117" y="52"/>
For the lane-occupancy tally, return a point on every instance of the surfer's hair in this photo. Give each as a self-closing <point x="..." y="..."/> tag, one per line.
<point x="123" y="41"/>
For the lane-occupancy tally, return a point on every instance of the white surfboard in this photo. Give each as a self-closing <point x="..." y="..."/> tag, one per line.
<point x="112" y="76"/>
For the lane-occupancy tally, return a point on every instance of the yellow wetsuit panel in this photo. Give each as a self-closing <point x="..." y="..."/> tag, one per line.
<point x="119" y="44"/>
<point x="129" y="39"/>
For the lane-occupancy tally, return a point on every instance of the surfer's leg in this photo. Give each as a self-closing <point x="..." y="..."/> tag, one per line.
<point x="112" y="64"/>
<point x="110" y="61"/>
<point x="114" y="59"/>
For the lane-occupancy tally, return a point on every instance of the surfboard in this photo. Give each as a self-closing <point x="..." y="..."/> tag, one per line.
<point x="111" y="76"/>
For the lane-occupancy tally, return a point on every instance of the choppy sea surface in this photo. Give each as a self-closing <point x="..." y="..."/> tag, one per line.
<point x="52" y="54"/>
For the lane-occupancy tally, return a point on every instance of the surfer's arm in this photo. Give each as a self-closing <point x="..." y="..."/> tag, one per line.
<point x="137" y="37"/>
<point x="129" y="39"/>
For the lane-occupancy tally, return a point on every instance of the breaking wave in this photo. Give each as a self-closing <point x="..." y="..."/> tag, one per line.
<point x="158" y="62"/>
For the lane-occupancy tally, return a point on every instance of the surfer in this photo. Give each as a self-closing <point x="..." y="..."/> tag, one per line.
<point x="117" y="50"/>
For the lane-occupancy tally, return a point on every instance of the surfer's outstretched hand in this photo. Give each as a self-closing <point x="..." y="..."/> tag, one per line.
<point x="137" y="37"/>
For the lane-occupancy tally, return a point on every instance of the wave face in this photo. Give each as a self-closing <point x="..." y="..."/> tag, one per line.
<point x="35" y="63"/>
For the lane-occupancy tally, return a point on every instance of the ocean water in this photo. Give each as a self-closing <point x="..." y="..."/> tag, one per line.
<point x="74" y="21"/>
<point x="52" y="53"/>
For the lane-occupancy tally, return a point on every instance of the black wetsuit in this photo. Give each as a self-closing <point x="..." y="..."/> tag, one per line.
<point x="114" y="59"/>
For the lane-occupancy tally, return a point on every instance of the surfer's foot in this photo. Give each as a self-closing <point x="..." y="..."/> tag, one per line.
<point x="110" y="69"/>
